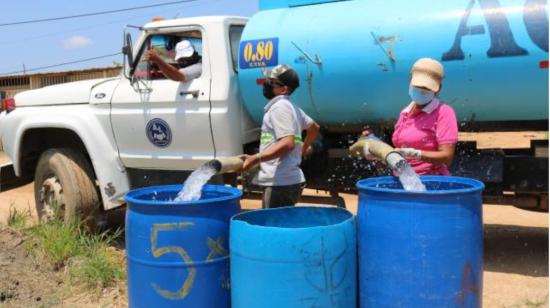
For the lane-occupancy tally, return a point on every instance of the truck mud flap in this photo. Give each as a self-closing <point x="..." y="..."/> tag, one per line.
<point x="8" y="179"/>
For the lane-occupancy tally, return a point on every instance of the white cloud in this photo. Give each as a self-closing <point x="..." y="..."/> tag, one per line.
<point x="76" y="41"/>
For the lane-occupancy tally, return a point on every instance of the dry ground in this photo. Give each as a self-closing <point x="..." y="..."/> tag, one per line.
<point x="516" y="257"/>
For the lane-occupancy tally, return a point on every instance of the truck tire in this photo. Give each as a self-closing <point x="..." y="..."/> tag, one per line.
<point x="64" y="188"/>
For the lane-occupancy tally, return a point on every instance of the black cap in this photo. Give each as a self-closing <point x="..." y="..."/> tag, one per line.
<point x="284" y="74"/>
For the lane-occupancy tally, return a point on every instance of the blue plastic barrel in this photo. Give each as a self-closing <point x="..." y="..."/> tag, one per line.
<point x="177" y="253"/>
<point x="293" y="257"/>
<point x="420" y="249"/>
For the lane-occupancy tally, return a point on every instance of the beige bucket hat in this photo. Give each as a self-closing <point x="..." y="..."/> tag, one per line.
<point x="427" y="73"/>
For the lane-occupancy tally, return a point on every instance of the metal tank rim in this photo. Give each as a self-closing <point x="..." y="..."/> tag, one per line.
<point x="370" y="185"/>
<point x="236" y="218"/>
<point x="133" y="197"/>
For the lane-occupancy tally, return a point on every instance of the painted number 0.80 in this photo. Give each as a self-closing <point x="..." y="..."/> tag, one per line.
<point x="264" y="51"/>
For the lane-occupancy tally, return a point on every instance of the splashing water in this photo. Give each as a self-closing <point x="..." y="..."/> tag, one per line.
<point x="408" y="178"/>
<point x="192" y="189"/>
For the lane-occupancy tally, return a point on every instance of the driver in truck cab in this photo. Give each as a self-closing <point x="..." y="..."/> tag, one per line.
<point x="187" y="58"/>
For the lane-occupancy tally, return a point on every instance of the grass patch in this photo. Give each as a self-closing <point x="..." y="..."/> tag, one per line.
<point x="17" y="219"/>
<point x="57" y="242"/>
<point x="100" y="265"/>
<point x="88" y="258"/>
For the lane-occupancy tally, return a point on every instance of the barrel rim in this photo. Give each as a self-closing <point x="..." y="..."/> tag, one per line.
<point x="132" y="196"/>
<point x="235" y="217"/>
<point x="365" y="185"/>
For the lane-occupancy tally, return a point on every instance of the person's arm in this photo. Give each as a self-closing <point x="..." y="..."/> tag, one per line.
<point x="167" y="69"/>
<point x="312" y="131"/>
<point x="279" y="149"/>
<point x="447" y="137"/>
<point x="444" y="154"/>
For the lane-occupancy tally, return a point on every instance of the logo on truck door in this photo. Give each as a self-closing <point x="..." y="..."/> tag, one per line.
<point x="159" y="133"/>
<point x="259" y="53"/>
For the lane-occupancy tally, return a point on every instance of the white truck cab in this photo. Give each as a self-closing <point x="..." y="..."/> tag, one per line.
<point x="87" y="143"/>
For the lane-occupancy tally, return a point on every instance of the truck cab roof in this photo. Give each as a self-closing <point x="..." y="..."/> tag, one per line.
<point x="201" y="20"/>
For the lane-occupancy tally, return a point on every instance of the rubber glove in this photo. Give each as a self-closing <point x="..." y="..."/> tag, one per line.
<point x="368" y="155"/>
<point x="410" y="152"/>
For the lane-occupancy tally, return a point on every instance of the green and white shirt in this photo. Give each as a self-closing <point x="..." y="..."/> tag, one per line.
<point x="281" y="119"/>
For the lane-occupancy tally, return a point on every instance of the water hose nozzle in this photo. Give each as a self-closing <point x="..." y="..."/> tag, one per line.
<point x="365" y="147"/>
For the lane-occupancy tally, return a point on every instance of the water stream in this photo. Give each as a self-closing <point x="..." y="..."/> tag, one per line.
<point x="192" y="189"/>
<point x="408" y="178"/>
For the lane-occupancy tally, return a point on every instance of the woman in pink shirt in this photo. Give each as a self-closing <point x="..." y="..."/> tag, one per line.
<point x="426" y="132"/>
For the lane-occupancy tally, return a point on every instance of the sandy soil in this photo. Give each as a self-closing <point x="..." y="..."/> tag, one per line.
<point x="25" y="281"/>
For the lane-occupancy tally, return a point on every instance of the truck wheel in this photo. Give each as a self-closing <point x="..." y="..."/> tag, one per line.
<point x="64" y="188"/>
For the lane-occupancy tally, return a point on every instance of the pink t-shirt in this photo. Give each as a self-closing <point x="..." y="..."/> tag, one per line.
<point x="435" y="125"/>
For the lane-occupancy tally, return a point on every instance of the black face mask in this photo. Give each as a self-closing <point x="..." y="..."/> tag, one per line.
<point x="268" y="89"/>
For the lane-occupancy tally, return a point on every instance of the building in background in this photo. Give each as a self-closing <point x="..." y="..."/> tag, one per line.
<point x="11" y="85"/>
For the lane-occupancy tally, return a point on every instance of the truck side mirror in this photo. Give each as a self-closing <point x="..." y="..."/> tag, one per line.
<point x="128" y="54"/>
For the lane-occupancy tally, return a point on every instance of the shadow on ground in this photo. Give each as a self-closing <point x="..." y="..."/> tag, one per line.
<point x="516" y="249"/>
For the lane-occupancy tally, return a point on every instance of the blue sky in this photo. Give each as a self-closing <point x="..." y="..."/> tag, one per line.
<point x="47" y="43"/>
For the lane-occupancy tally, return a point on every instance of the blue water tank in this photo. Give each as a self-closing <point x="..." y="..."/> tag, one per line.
<point x="420" y="249"/>
<point x="293" y="257"/>
<point x="354" y="57"/>
<point x="177" y="253"/>
<point x="277" y="4"/>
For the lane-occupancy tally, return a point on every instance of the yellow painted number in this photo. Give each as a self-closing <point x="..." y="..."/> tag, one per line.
<point x="263" y="51"/>
<point x="248" y="52"/>
<point x="159" y="251"/>
<point x="268" y="50"/>
<point x="260" y="51"/>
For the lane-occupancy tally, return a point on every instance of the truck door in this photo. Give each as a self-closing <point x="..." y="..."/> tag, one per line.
<point x="159" y="123"/>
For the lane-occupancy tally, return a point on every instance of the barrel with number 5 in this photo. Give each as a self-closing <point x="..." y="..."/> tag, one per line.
<point x="177" y="252"/>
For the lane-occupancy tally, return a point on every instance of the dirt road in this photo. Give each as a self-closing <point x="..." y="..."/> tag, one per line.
<point x="516" y="246"/>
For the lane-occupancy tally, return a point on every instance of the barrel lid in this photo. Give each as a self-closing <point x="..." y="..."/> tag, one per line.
<point x="164" y="195"/>
<point x="295" y="217"/>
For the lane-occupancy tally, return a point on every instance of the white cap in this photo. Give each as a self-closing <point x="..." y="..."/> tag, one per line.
<point x="184" y="49"/>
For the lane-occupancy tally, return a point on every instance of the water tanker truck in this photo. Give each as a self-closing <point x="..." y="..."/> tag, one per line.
<point x="87" y="143"/>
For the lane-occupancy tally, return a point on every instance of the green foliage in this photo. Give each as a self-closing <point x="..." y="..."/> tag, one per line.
<point x="88" y="257"/>
<point x="100" y="265"/>
<point x="57" y="241"/>
<point x="101" y="269"/>
<point x="17" y="219"/>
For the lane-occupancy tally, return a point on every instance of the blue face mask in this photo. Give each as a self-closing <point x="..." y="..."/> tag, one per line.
<point x="421" y="97"/>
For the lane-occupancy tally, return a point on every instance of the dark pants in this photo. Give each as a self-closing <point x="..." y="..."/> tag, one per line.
<point x="278" y="196"/>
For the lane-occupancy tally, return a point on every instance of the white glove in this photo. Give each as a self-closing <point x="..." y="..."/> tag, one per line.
<point x="410" y="152"/>
<point x="367" y="153"/>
